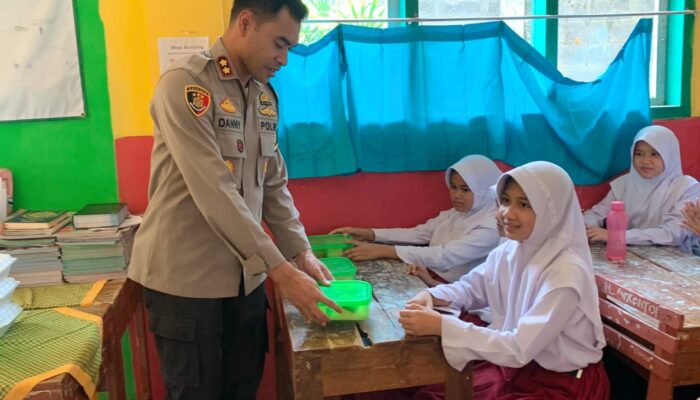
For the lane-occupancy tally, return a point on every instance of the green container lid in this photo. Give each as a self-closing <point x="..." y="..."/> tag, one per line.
<point x="329" y="245"/>
<point x="341" y="267"/>
<point x="354" y="297"/>
<point x="328" y="239"/>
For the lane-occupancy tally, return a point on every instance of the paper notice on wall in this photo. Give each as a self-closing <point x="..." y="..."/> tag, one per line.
<point x="172" y="48"/>
<point x="39" y="65"/>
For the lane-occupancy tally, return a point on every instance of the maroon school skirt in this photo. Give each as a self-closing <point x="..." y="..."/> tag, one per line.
<point x="530" y="382"/>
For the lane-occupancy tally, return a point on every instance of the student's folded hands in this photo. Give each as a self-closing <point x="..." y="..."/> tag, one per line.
<point x="419" y="320"/>
<point x="596" y="234"/>
<point x="369" y="251"/>
<point x="422" y="272"/>
<point x="691" y="216"/>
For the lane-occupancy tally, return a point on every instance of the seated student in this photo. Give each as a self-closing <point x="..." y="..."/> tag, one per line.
<point x="654" y="190"/>
<point x="691" y="222"/>
<point x="546" y="338"/>
<point x="459" y="238"/>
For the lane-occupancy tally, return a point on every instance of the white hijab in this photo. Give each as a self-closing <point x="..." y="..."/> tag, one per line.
<point x="647" y="201"/>
<point x="480" y="174"/>
<point x="558" y="229"/>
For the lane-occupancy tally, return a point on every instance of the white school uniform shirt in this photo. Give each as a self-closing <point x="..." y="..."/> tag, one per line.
<point x="541" y="291"/>
<point x="457" y="241"/>
<point x="652" y="205"/>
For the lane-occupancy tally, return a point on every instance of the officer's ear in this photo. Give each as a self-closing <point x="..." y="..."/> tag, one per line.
<point x="246" y="21"/>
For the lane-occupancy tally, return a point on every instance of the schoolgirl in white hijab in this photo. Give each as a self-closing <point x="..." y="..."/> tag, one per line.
<point x="654" y="191"/>
<point x="458" y="239"/>
<point x="546" y="331"/>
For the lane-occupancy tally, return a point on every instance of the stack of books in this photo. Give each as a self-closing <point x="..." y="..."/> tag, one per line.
<point x="101" y="215"/>
<point x="94" y="254"/>
<point x="28" y="236"/>
<point x="34" y="224"/>
<point x="37" y="261"/>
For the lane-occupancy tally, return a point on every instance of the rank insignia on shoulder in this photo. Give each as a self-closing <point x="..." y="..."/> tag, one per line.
<point x="228" y="106"/>
<point x="198" y="99"/>
<point x="224" y="66"/>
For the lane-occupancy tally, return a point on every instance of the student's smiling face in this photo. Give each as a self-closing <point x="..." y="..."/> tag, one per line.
<point x="461" y="196"/>
<point x="647" y="161"/>
<point x="515" y="211"/>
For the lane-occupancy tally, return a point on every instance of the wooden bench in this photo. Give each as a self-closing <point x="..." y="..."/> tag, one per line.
<point x="354" y="357"/>
<point x="650" y="305"/>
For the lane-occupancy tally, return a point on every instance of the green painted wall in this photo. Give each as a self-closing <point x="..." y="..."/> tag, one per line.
<point x="66" y="163"/>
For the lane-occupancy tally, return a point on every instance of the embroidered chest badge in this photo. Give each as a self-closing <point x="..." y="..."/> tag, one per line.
<point x="198" y="99"/>
<point x="228" y="106"/>
<point x="224" y="66"/>
<point x="265" y="106"/>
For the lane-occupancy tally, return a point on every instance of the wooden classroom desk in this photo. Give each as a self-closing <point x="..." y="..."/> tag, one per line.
<point x="354" y="357"/>
<point x="650" y="306"/>
<point x="119" y="302"/>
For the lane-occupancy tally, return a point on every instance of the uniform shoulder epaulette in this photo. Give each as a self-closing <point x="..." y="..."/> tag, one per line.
<point x="193" y="62"/>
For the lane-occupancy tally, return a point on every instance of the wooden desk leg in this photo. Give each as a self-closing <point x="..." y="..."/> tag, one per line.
<point x="308" y="384"/>
<point x="140" y="352"/>
<point x="114" y="374"/>
<point x="283" y="372"/>
<point x="459" y="384"/>
<point x="659" y="389"/>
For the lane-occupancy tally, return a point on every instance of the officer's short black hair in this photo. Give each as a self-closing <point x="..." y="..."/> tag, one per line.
<point x="267" y="9"/>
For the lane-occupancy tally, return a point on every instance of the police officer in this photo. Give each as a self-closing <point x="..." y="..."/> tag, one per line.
<point x="216" y="172"/>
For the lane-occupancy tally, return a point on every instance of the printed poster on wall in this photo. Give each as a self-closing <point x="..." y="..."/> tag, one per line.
<point x="172" y="48"/>
<point x="39" y="66"/>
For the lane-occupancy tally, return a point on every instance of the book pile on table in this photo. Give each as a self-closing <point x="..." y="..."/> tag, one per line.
<point x="28" y="237"/>
<point x="94" y="254"/>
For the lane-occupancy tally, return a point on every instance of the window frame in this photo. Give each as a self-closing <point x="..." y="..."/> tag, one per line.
<point x="679" y="52"/>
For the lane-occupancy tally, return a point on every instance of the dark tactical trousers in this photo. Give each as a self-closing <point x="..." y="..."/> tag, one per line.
<point x="210" y="348"/>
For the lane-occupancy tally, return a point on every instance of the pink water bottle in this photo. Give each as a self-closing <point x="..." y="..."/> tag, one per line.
<point x="616" y="249"/>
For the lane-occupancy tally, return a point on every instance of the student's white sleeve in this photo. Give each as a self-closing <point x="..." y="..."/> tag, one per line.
<point x="597" y="214"/>
<point x="420" y="234"/>
<point x="468" y="292"/>
<point x="463" y="342"/>
<point x="670" y="232"/>
<point x="475" y="245"/>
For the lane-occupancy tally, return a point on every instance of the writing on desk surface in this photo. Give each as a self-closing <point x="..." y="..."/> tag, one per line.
<point x="632" y="299"/>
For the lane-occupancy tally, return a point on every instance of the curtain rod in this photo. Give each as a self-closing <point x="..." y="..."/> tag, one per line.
<point x="504" y="18"/>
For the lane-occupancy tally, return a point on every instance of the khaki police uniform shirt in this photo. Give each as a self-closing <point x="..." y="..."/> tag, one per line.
<point x="216" y="171"/>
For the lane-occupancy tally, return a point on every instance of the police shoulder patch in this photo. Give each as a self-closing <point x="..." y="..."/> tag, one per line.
<point x="198" y="99"/>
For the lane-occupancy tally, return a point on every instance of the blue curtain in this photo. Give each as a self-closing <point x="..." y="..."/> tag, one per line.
<point x="421" y="97"/>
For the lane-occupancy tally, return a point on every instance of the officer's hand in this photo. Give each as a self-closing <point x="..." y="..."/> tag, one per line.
<point x="302" y="292"/>
<point x="307" y="262"/>
<point x="363" y="234"/>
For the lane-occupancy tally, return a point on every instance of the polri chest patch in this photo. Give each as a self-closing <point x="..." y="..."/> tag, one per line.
<point x="265" y="108"/>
